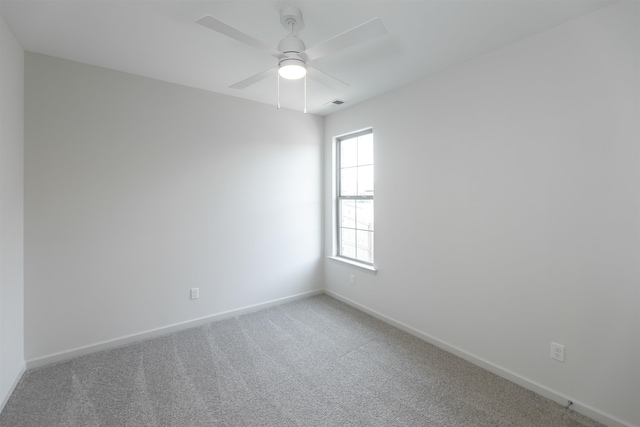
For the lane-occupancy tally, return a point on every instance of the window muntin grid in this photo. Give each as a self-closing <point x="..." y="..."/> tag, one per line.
<point x="355" y="229"/>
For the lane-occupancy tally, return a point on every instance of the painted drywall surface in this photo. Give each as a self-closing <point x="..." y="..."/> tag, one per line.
<point x="11" y="211"/>
<point x="507" y="208"/>
<point x="138" y="190"/>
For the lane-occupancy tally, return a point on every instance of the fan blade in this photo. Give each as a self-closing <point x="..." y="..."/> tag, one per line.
<point x="364" y="32"/>
<point x="222" y="27"/>
<point x="254" y="79"/>
<point x="326" y="79"/>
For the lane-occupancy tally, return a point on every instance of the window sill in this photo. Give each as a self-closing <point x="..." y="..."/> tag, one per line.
<point x="359" y="265"/>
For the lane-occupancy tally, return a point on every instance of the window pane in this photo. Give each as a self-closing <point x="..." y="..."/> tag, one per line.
<point x="355" y="194"/>
<point x="365" y="181"/>
<point x="348" y="181"/>
<point x="365" y="246"/>
<point x="365" y="149"/>
<point x="364" y="214"/>
<point x="349" y="152"/>
<point x="348" y="213"/>
<point x="348" y="242"/>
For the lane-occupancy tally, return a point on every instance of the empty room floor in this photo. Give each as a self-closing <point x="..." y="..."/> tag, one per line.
<point x="313" y="362"/>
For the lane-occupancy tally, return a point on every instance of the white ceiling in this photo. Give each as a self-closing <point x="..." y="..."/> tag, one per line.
<point x="160" y="39"/>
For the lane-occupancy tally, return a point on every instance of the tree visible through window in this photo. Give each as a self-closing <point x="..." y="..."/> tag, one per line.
<point x="355" y="196"/>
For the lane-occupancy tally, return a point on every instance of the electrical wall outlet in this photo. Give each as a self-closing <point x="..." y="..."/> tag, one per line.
<point x="195" y="293"/>
<point x="352" y="279"/>
<point x="557" y="352"/>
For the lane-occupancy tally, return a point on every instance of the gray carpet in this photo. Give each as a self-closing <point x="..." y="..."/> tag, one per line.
<point x="315" y="362"/>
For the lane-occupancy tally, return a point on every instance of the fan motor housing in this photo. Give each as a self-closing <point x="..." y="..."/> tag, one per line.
<point x="291" y="44"/>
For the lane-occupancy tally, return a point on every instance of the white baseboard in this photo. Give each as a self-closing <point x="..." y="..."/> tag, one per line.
<point x="15" y="382"/>
<point x="119" y="342"/>
<point x="540" y="389"/>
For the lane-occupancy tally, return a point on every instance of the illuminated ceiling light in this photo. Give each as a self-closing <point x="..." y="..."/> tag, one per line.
<point x="292" y="69"/>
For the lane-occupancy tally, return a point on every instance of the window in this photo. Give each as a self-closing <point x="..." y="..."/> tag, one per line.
<point x="355" y="196"/>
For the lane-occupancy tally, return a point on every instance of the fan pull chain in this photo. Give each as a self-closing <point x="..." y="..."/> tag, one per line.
<point x="278" y="104"/>
<point x="305" y="94"/>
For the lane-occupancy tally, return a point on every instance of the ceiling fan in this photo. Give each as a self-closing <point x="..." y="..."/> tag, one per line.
<point x="292" y="55"/>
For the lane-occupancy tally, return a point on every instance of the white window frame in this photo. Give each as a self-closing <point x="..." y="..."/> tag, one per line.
<point x="338" y="197"/>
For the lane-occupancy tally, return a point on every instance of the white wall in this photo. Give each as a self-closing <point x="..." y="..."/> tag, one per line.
<point x="138" y="190"/>
<point x="11" y="212"/>
<point x="507" y="210"/>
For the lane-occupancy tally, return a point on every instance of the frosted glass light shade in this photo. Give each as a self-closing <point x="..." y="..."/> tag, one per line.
<point x="292" y="69"/>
